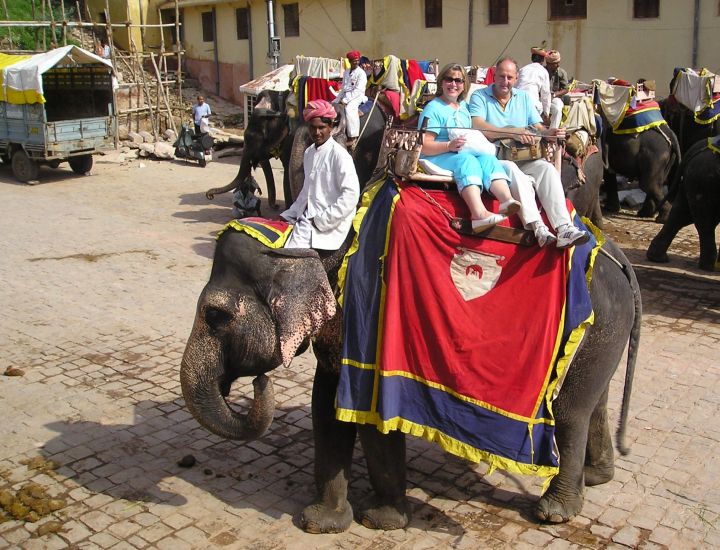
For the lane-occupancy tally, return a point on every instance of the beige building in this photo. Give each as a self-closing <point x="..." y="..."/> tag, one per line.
<point x="226" y="42"/>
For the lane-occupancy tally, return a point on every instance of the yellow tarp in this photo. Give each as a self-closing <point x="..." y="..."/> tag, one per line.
<point x="11" y="95"/>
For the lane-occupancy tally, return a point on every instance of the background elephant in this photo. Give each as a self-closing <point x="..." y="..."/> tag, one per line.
<point x="697" y="201"/>
<point x="268" y="135"/>
<point x="584" y="190"/>
<point x="649" y="157"/>
<point x="260" y="308"/>
<point x="682" y="122"/>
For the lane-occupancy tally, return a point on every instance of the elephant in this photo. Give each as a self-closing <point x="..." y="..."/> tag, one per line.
<point x="650" y="156"/>
<point x="265" y="137"/>
<point x="263" y="306"/>
<point x="584" y="190"/>
<point x="682" y="122"/>
<point x="697" y="201"/>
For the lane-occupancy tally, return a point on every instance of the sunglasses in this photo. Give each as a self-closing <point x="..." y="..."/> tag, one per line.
<point x="457" y="81"/>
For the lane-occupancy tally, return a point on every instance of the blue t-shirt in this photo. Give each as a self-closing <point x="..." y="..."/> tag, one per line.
<point x="200" y="111"/>
<point x="519" y="112"/>
<point x="442" y="116"/>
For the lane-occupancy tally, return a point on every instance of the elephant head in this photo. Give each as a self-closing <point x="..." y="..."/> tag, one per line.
<point x="257" y="310"/>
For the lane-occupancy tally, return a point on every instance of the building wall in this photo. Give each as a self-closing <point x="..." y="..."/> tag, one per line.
<point x="141" y="11"/>
<point x="608" y="43"/>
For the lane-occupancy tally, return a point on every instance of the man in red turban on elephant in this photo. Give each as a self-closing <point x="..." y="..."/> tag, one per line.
<point x="323" y="212"/>
<point x="352" y="95"/>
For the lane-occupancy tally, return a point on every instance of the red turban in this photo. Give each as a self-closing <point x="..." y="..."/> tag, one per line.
<point x="319" y="108"/>
<point x="538" y="50"/>
<point x="354" y="54"/>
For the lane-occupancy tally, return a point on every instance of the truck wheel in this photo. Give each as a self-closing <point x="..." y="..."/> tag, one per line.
<point x="82" y="164"/>
<point x="24" y="168"/>
<point x="54" y="163"/>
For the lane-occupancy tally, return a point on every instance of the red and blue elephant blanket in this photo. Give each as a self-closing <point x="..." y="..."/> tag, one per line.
<point x="457" y="339"/>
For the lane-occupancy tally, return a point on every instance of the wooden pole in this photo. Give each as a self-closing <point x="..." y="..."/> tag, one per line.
<point x="35" y="32"/>
<point x="164" y="95"/>
<point x="7" y="16"/>
<point x="178" y="48"/>
<point x="108" y="29"/>
<point x="64" y="22"/>
<point x="53" y="35"/>
<point x="79" y="17"/>
<point x="43" y="16"/>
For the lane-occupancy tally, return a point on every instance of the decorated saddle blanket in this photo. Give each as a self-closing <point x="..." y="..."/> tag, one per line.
<point x="713" y="143"/>
<point x="308" y="89"/>
<point x="271" y="233"/>
<point x="458" y="339"/>
<point x="711" y="113"/>
<point x="639" y="118"/>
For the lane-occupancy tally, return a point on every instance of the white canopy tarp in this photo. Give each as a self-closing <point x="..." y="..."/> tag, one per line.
<point x="21" y="75"/>
<point x="277" y="79"/>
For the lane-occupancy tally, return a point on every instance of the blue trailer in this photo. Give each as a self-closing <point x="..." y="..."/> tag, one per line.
<point x="54" y="107"/>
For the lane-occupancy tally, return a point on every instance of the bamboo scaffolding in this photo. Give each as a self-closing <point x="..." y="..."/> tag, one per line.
<point x="148" y="95"/>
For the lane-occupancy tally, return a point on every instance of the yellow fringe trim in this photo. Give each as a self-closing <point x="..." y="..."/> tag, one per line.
<point x="447" y="443"/>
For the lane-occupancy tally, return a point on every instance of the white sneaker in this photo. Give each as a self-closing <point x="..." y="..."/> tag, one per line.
<point x="569" y="235"/>
<point x="544" y="236"/>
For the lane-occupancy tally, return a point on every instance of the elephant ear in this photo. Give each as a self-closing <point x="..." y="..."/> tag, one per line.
<point x="301" y="301"/>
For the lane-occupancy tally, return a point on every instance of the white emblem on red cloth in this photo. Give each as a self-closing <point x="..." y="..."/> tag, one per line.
<point x="475" y="273"/>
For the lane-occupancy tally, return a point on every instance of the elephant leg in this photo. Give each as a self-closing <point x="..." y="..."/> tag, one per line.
<point x="612" y="201"/>
<point x="708" y="250"/>
<point x="596" y="213"/>
<point x="564" y="498"/>
<point x="270" y="180"/>
<point x="651" y="183"/>
<point x="679" y="217"/>
<point x="334" y="440"/>
<point x="599" y="454"/>
<point x="388" y="508"/>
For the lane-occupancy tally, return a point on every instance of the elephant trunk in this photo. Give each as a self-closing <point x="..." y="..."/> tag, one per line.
<point x="201" y="375"/>
<point x="243" y="173"/>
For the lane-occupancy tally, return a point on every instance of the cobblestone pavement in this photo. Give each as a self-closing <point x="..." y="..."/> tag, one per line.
<point x="100" y="279"/>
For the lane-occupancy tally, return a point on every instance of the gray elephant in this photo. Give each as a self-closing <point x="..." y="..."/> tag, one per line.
<point x="697" y="201"/>
<point x="261" y="307"/>
<point x="582" y="186"/>
<point x="650" y="157"/>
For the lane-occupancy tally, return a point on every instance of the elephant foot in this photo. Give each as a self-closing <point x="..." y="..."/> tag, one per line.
<point x="611" y="207"/>
<point x="646" y="212"/>
<point x="554" y="509"/>
<point x="711" y="265"/>
<point x="656" y="256"/>
<point x="375" y="515"/>
<point x="597" y="475"/>
<point x="318" y="518"/>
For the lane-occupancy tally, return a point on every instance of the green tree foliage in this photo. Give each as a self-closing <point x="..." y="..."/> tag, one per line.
<point x="23" y="38"/>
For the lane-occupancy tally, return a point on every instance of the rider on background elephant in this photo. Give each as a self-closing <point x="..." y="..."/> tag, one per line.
<point x="352" y="95"/>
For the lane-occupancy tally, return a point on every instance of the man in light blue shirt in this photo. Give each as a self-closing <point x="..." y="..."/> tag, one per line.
<point x="200" y="110"/>
<point x="502" y="111"/>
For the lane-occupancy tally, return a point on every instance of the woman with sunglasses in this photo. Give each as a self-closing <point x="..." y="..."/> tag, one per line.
<point x="473" y="173"/>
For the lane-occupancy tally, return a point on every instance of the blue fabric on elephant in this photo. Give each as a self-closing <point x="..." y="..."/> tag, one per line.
<point x="467" y="168"/>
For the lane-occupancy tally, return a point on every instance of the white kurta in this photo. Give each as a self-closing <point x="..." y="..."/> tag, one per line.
<point x="323" y="212"/>
<point x="535" y="80"/>
<point x="352" y="95"/>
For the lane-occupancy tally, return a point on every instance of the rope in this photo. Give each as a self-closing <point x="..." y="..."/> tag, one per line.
<point x="367" y="117"/>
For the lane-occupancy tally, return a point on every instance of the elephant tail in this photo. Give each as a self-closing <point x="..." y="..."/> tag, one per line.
<point x="632" y="353"/>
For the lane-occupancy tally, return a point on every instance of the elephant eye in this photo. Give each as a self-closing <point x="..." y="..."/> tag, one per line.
<point x="217" y="318"/>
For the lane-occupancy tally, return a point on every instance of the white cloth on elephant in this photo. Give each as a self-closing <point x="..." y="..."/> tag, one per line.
<point x="537" y="178"/>
<point x="614" y="100"/>
<point x="323" y="212"/>
<point x="581" y="116"/>
<point x="535" y="80"/>
<point x="352" y="95"/>
<point x="556" y="112"/>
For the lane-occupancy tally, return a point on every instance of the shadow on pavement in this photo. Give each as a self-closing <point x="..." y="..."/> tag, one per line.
<point x="138" y="462"/>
